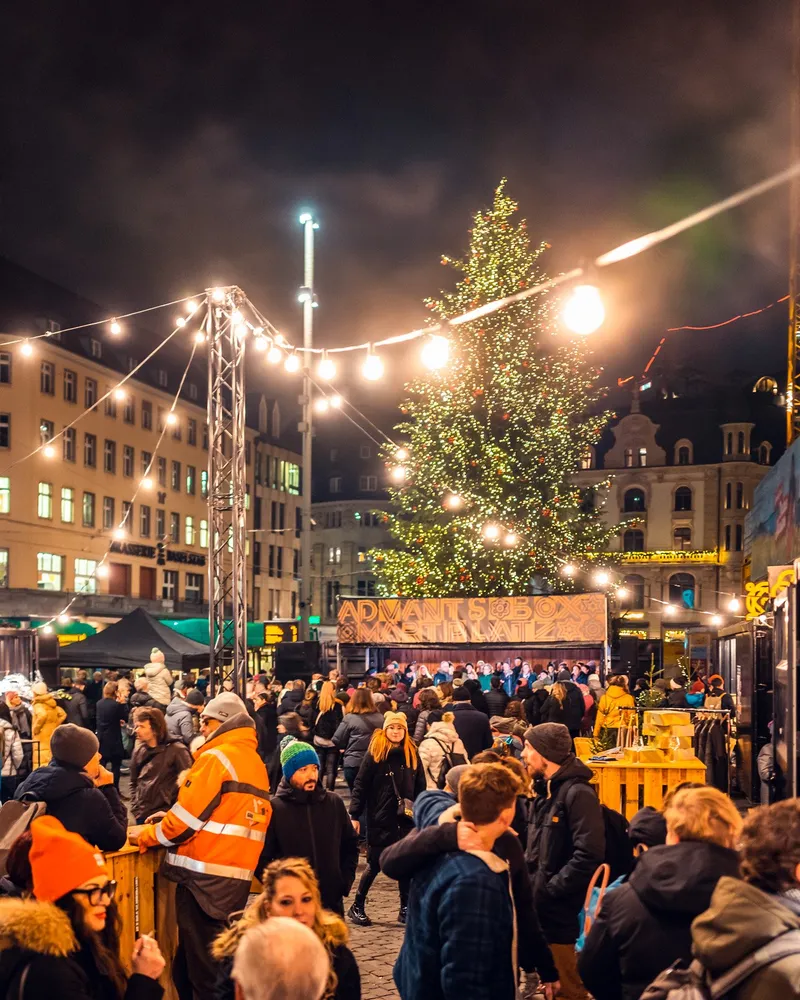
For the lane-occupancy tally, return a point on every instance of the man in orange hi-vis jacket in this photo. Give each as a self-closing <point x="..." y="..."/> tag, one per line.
<point x="213" y="835"/>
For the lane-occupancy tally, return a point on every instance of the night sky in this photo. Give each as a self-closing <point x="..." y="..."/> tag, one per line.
<point x="154" y="148"/>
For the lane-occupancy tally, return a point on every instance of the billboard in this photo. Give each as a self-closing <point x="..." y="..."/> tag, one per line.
<point x="574" y="619"/>
<point x="772" y="527"/>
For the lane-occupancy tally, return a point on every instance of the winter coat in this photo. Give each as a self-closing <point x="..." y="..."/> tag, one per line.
<point x="21" y="720"/>
<point x="142" y="699"/>
<point x="553" y="710"/>
<point x="76" y="706"/>
<point x="496" y="701"/>
<point x="740" y="919"/>
<point x="97" y="814"/>
<point x="566" y="843"/>
<point x="159" y="682"/>
<point x="413" y="853"/>
<point x="214" y="831"/>
<point x="473" y="728"/>
<point x="39" y="937"/>
<point x="459" y="938"/>
<point x="154" y="776"/>
<point x="326" y="723"/>
<point x="353" y="735"/>
<point x="314" y="825"/>
<point x="533" y="706"/>
<point x="425" y="718"/>
<point x="677" y="699"/>
<point x="441" y="738"/>
<point x="269" y="717"/>
<point x="476" y="696"/>
<point x="110" y="717"/>
<point x="609" y="708"/>
<point x="290" y="702"/>
<point x="376" y="793"/>
<point x="11" y="749"/>
<point x="645" y="925"/>
<point x="180" y="721"/>
<point x="46" y="717"/>
<point x="574" y="708"/>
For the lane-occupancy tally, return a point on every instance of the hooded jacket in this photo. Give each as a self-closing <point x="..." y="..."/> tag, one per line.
<point x="215" y="830"/>
<point x="154" y="776"/>
<point x="180" y="721"/>
<point x="159" y="682"/>
<point x="39" y="937"/>
<point x="353" y="735"/>
<point x="566" y="843"/>
<point x="440" y="739"/>
<point x="740" y="919"/>
<point x="609" y="708"/>
<point x="11" y="747"/>
<point x="97" y="814"/>
<point x="46" y="716"/>
<point x="645" y="925"/>
<point x="314" y="825"/>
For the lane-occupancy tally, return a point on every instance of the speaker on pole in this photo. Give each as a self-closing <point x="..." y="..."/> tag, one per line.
<point x="296" y="660"/>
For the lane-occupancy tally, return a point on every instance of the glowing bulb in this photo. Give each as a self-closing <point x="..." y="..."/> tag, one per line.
<point x="453" y="501"/>
<point x="601" y="578"/>
<point x="622" y="593"/>
<point x="172" y="418"/>
<point x="146" y="483"/>
<point x="218" y="295"/>
<point x="306" y="217"/>
<point x="236" y="316"/>
<point x="49" y="451"/>
<point x="191" y="307"/>
<point x="568" y="570"/>
<point x="716" y="620"/>
<point x="119" y="394"/>
<point x="491" y="532"/>
<point x="115" y="327"/>
<point x="101" y="572"/>
<point x="436" y="352"/>
<point x="199" y="337"/>
<point x="47" y="630"/>
<point x="401" y="454"/>
<point x="26" y="349"/>
<point x="322" y="405"/>
<point x="398" y="473"/>
<point x="336" y="402"/>
<point x="260" y="342"/>
<point x="240" y="330"/>
<point x="372" y="369"/>
<point x="180" y="321"/>
<point x="670" y="610"/>
<point x="326" y="369"/>
<point x="274" y="355"/>
<point x="510" y="540"/>
<point x="292" y="364"/>
<point x="734" y="605"/>
<point x="584" y="311"/>
<point x="63" y="619"/>
<point x="118" y="534"/>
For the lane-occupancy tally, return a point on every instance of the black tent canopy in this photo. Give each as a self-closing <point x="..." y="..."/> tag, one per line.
<point x="127" y="643"/>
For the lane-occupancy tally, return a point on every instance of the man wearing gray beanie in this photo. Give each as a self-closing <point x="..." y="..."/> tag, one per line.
<point x="566" y="843"/>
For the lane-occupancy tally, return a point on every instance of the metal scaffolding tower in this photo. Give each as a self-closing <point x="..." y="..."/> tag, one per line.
<point x="793" y="355"/>
<point x="227" y="490"/>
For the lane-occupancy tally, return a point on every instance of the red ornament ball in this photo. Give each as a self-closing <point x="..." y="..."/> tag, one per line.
<point x="420" y="580"/>
<point x="505" y="416"/>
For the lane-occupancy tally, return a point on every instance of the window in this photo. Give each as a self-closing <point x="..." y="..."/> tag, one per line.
<point x="161" y="465"/>
<point x="683" y="452"/>
<point x="205" y="437"/>
<point x="271" y="563"/>
<point x="738" y="538"/>
<point x="362" y="554"/>
<point x="740" y="443"/>
<point x="332" y="591"/>
<point x="147" y="415"/>
<point x="764" y="450"/>
<point x="278" y="522"/>
<point x="162" y="377"/>
<point x="46" y="430"/>
<point x="85" y="579"/>
<point x="90" y="450"/>
<point x="248" y="453"/>
<point x="192" y="391"/>
<point x="727" y="538"/>
<point x="335" y="484"/>
<point x="5" y="430"/>
<point x="127" y="508"/>
<point x="366" y="451"/>
<point x="368" y="483"/>
<point x="47" y="378"/>
<point x="634" y="501"/>
<point x="729" y="444"/>
<point x="48" y="567"/>
<point x="256" y="558"/>
<point x="176" y="428"/>
<point x="109" y="456"/>
<point x="204" y="534"/>
<point x="96" y="348"/>
<point x="682" y="539"/>
<point x="188" y="530"/>
<point x="128" y="455"/>
<point x="67" y="504"/>
<point x="129" y="410"/>
<point x="70" y="386"/>
<point x="132" y="363"/>
<point x="295" y="564"/>
<point x="5" y="495"/>
<point x="147" y="458"/>
<point x="169" y="591"/>
<point x="683" y="455"/>
<point x="174" y="527"/>
<point x="5" y="374"/>
<point x="159" y="523"/>
<point x="204" y="483"/>
<point x="682" y="590"/>
<point x="144" y="520"/>
<point x="334" y="555"/>
<point x="633" y="540"/>
<point x="293" y="478"/>
<point x="194" y="588"/>
<point x="739" y="496"/>
<point x="3" y="568"/>
<point x="108" y="513"/>
<point x="629" y="458"/>
<point x="587" y="461"/>
<point x="68" y="444"/>
<point x="110" y="407"/>
<point x="683" y="498"/>
<point x="191" y="431"/>
<point x="191" y="480"/>
<point x="365" y="588"/>
<point x="45" y="505"/>
<point x="90" y="393"/>
<point x="634" y="584"/>
<point x="643" y="457"/>
<point x="175" y="479"/>
<point x="87" y="516"/>
<point x="728" y="495"/>
<point x="298" y="522"/>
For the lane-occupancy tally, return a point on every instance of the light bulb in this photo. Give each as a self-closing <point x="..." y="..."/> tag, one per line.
<point x="453" y="501"/>
<point x="716" y="620"/>
<point x="372" y="369"/>
<point x="670" y="610"/>
<point x="568" y="570"/>
<point x="146" y="483"/>
<point x="26" y="349"/>
<point x="172" y="418"/>
<point x="199" y="337"/>
<point x="335" y="401"/>
<point x="115" y="327"/>
<point x="191" y="307"/>
<point x="510" y="540"/>
<point x="622" y="593"/>
<point x="119" y="394"/>
<point x="218" y="295"/>
<point x="260" y="342"/>
<point x="180" y="321"/>
<point x="491" y="532"/>
<point x="274" y="355"/>
<point x="101" y="571"/>
<point x="49" y="451"/>
<point x="47" y="629"/>
<point x="322" y="405"/>
<point x="398" y="473"/>
<point x="63" y="619"/>
<point x="119" y="534"/>
<point x="326" y="369"/>
<point x="584" y="311"/>
<point x="601" y="578"/>
<point x="435" y="352"/>
<point x="292" y="363"/>
<point x="240" y="331"/>
<point x="734" y="605"/>
<point x="236" y="316"/>
<point x="306" y="217"/>
<point x="401" y="454"/>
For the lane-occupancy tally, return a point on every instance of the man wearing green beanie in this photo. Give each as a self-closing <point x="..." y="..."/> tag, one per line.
<point x="310" y="822"/>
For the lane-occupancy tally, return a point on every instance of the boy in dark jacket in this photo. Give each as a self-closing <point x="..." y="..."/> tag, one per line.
<point x="310" y="822"/>
<point x="566" y="843"/>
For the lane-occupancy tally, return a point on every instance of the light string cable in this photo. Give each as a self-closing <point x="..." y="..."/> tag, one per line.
<point x="105" y="396"/>
<point x="145" y="483"/>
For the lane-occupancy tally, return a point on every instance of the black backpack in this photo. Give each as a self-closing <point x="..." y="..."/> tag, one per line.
<point x="451" y="759"/>
<point x="619" y="849"/>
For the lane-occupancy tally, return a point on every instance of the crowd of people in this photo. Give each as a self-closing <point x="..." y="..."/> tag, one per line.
<point x="468" y="795"/>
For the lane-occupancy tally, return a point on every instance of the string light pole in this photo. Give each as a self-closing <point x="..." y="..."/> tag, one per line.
<point x="308" y="299"/>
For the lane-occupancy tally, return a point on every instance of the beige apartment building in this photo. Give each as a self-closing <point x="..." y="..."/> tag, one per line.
<point x="101" y="487"/>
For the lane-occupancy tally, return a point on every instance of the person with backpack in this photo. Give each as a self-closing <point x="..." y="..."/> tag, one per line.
<point x="718" y="697"/>
<point x="566" y="843"/>
<point x="646" y="923"/>
<point x="440" y="750"/>
<point x="612" y="704"/>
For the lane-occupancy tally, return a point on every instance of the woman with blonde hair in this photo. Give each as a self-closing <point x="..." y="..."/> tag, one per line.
<point x="554" y="708"/>
<point x="390" y="778"/>
<point x="329" y="715"/>
<point x="610" y="707"/>
<point x="291" y="890"/>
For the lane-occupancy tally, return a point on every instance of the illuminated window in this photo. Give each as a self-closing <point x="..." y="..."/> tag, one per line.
<point x="85" y="579"/>
<point x="188" y="530"/>
<point x="5" y="495"/>
<point x="683" y="498"/>
<point x="67" y="504"/>
<point x="634" y="501"/>
<point x="204" y="534"/>
<point x="45" y="504"/>
<point x="48" y="567"/>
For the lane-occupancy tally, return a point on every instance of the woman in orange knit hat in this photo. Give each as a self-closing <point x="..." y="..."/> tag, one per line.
<point x="65" y="943"/>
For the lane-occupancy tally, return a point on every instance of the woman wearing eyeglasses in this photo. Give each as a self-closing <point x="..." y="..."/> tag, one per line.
<point x="65" y="943"/>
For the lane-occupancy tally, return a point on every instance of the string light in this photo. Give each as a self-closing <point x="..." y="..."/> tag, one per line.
<point x="26" y="349"/>
<point x="491" y="532"/>
<point x="146" y="483"/>
<point x="716" y="620"/>
<point x="568" y="570"/>
<point x="119" y="394"/>
<point x="218" y="295"/>
<point x="49" y="451"/>
<point x="436" y="352"/>
<point x="292" y="363"/>
<point x="274" y="355"/>
<point x="326" y="369"/>
<point x="584" y="311"/>
<point x="622" y="593"/>
<point x="321" y="405"/>
<point x="398" y="473"/>
<point x="191" y="307"/>
<point x="734" y="605"/>
<point x="199" y="337"/>
<point x="115" y="327"/>
<point x="180" y="321"/>
<point x="401" y="454"/>
<point x="119" y="534"/>
<point x="372" y="369"/>
<point x="236" y="317"/>
<point x="47" y="629"/>
<point x="510" y="540"/>
<point x="101" y="572"/>
<point x="336" y="401"/>
<point x="670" y="610"/>
<point x="260" y="342"/>
<point x="601" y="578"/>
<point x="453" y="501"/>
<point x="62" y="619"/>
<point x="172" y="418"/>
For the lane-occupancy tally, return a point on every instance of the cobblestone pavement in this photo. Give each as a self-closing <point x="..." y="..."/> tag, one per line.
<point x="376" y="947"/>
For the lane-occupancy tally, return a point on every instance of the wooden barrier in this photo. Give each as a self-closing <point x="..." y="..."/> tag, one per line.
<point x="629" y="787"/>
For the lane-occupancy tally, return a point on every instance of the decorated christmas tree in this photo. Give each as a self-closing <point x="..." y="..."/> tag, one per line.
<point x="487" y="505"/>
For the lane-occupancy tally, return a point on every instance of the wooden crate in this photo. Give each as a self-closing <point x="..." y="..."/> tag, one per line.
<point x="629" y="787"/>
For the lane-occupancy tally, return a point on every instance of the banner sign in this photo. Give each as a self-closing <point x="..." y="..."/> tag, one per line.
<point x="574" y="619"/>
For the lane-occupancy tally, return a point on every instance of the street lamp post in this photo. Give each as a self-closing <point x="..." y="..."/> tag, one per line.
<point x="308" y="300"/>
